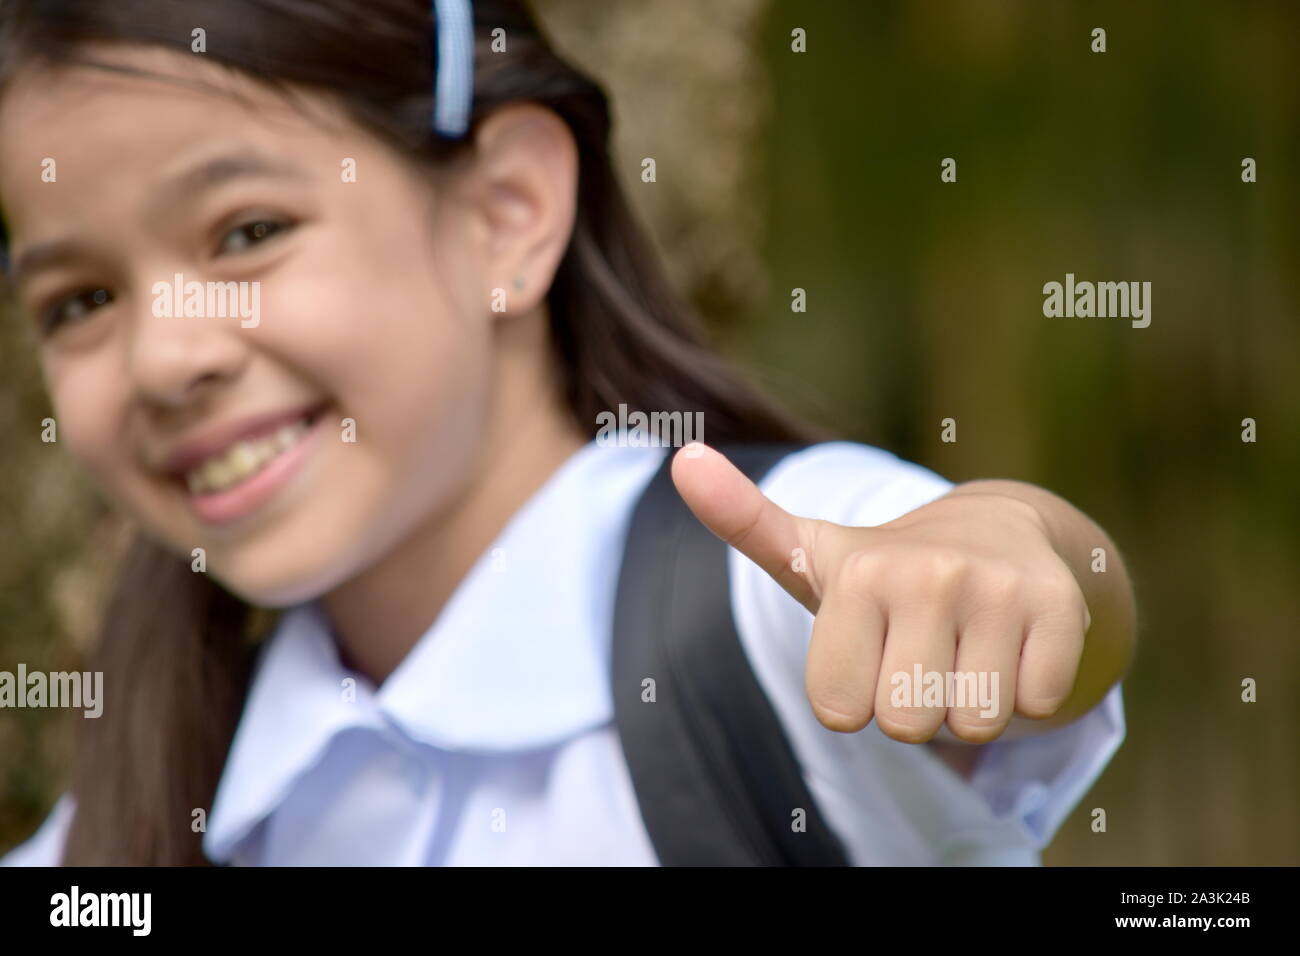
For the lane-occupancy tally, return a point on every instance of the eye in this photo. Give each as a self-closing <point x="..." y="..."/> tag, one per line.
<point x="73" y="308"/>
<point x="249" y="234"/>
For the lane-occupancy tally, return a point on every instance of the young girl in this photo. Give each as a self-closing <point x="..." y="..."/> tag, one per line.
<point x="440" y="289"/>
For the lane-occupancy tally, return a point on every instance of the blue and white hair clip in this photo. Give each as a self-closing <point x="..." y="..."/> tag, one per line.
<point x="454" y="72"/>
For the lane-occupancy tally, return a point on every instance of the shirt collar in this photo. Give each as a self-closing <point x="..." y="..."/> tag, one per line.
<point x="518" y="659"/>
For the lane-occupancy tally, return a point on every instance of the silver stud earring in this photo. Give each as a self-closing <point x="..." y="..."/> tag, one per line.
<point x="519" y="283"/>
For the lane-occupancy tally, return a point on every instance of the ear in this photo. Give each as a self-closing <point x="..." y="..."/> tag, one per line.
<point x="525" y="193"/>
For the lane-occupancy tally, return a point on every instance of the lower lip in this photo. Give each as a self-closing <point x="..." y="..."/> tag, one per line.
<point x="224" y="507"/>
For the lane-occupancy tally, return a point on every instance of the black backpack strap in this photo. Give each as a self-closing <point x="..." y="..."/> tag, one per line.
<point x="717" y="782"/>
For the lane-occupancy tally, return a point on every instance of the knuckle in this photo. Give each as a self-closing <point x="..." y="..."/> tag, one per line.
<point x="1001" y="586"/>
<point x="925" y="570"/>
<point x="861" y="569"/>
<point x="1062" y="614"/>
<point x="1061" y="592"/>
<point x="945" y="567"/>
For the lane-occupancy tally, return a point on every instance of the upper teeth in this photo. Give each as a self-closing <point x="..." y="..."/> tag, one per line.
<point x="242" y="459"/>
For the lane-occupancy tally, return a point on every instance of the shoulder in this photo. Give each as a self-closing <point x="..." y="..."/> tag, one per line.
<point x="45" y="846"/>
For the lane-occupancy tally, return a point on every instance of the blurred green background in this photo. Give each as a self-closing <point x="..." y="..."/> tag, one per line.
<point x="821" y="170"/>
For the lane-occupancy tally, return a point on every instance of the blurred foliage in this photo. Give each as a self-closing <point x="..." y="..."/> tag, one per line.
<point x="820" y="170"/>
<point x="687" y="89"/>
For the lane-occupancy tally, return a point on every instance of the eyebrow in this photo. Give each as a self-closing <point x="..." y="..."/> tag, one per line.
<point x="204" y="177"/>
<point x="223" y="169"/>
<point x="43" y="256"/>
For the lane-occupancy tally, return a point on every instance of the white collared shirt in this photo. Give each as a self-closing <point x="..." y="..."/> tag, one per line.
<point x="493" y="741"/>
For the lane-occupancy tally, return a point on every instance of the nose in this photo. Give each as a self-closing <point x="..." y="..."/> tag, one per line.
<point x="175" y="353"/>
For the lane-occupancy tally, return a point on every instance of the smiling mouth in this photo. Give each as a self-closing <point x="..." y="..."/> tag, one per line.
<point x="247" y="457"/>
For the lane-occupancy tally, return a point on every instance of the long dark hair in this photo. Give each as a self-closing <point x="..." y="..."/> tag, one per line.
<point x="175" y="646"/>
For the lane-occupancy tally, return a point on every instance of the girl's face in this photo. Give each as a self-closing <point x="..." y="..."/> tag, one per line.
<point x="331" y="398"/>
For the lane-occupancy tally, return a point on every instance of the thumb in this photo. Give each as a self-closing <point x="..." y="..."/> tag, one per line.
<point x="732" y="507"/>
